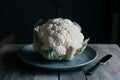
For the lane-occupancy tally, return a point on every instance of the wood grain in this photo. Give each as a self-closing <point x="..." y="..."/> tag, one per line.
<point x="7" y="59"/>
<point x="72" y="75"/>
<point x="11" y="68"/>
<point x="20" y="71"/>
<point x="45" y="75"/>
<point x="111" y="70"/>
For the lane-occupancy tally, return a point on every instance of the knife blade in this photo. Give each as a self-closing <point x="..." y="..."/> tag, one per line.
<point x="100" y="62"/>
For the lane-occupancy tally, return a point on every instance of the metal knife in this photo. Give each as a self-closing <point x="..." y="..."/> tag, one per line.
<point x="101" y="62"/>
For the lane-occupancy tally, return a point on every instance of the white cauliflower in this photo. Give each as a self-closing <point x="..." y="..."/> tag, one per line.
<point x="59" y="39"/>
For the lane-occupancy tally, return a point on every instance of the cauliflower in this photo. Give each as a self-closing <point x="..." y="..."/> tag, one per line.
<point x="59" y="39"/>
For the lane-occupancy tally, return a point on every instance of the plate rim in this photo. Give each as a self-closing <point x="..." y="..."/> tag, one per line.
<point x="58" y="68"/>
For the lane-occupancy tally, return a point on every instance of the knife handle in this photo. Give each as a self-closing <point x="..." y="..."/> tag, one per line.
<point x="93" y="69"/>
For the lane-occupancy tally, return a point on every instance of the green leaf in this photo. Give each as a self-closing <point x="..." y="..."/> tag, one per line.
<point x="75" y="23"/>
<point x="51" y="54"/>
<point x="70" y="53"/>
<point x="40" y="22"/>
<point x="84" y="45"/>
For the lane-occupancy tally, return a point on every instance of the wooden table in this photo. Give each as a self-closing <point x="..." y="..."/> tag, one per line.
<point x="11" y="68"/>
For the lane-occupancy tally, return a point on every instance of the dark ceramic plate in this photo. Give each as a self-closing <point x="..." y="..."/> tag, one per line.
<point x="30" y="56"/>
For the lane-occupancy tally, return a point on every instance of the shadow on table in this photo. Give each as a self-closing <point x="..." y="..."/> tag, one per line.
<point x="12" y="62"/>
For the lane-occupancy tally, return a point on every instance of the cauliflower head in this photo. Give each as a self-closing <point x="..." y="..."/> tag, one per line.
<point x="59" y="39"/>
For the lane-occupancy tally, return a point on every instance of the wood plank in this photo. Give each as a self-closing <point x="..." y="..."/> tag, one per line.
<point x="45" y="75"/>
<point x="19" y="75"/>
<point x="21" y="71"/>
<point x="7" y="59"/>
<point x="17" y="70"/>
<point x="72" y="75"/>
<point x="111" y="70"/>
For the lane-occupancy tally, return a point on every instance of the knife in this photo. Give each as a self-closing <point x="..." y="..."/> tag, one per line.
<point x="101" y="62"/>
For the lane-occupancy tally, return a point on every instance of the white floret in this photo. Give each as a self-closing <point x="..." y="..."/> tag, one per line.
<point x="61" y="34"/>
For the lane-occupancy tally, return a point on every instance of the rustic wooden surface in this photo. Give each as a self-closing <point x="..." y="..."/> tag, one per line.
<point x="111" y="70"/>
<point x="11" y="68"/>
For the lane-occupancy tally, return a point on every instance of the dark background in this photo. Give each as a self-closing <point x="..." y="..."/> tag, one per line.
<point x="99" y="19"/>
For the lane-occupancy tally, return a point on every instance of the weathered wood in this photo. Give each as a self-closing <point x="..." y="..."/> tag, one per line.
<point x="111" y="70"/>
<point x="7" y="59"/>
<point x="45" y="75"/>
<point x="12" y="69"/>
<point x="19" y="75"/>
<point x="72" y="75"/>
<point x="20" y="71"/>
